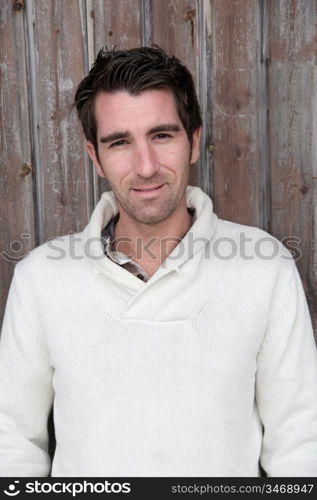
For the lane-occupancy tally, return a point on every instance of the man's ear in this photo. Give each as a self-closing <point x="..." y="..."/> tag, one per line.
<point x="92" y="153"/>
<point x="195" y="146"/>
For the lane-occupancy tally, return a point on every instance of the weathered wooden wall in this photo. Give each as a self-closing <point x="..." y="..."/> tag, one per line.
<point x="254" y="63"/>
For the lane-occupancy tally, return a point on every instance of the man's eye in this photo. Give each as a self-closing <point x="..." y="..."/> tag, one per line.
<point x="118" y="143"/>
<point x="162" y="136"/>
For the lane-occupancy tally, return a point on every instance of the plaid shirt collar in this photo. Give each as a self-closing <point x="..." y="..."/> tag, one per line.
<point x="123" y="260"/>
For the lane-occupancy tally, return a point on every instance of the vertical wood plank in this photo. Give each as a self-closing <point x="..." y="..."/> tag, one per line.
<point x="115" y="24"/>
<point x="176" y="28"/>
<point x="57" y="47"/>
<point x="293" y="131"/>
<point x="206" y="165"/>
<point x="16" y="166"/>
<point x="236" y="109"/>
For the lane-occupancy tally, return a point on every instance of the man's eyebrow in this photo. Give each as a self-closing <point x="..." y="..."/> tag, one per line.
<point x="114" y="136"/>
<point x="165" y="127"/>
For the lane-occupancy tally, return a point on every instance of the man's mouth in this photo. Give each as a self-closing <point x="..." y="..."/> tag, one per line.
<point x="148" y="192"/>
<point x="148" y="188"/>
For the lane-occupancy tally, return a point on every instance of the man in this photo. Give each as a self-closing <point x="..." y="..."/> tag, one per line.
<point x="165" y="352"/>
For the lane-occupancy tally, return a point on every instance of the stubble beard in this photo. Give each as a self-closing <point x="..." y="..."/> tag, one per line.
<point x="153" y="211"/>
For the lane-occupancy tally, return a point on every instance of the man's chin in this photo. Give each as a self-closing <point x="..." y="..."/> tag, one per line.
<point x="149" y="218"/>
<point x="148" y="211"/>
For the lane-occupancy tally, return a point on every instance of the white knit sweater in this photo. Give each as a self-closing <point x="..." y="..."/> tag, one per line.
<point x="206" y="370"/>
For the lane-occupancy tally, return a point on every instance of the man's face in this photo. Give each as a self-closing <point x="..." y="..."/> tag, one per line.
<point x="144" y="152"/>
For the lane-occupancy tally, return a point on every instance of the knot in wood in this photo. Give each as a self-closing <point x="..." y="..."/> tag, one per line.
<point x="238" y="153"/>
<point x="18" y="5"/>
<point x="25" y="170"/>
<point x="189" y="15"/>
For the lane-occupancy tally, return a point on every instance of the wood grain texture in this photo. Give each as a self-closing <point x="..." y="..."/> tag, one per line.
<point x="292" y="84"/>
<point x="57" y="61"/>
<point x="236" y="108"/>
<point x="114" y="24"/>
<point x="17" y="227"/>
<point x="175" y="28"/>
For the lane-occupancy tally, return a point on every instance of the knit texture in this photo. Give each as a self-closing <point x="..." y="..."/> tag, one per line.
<point x="207" y="369"/>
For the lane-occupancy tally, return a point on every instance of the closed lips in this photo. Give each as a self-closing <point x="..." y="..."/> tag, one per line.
<point x="148" y="189"/>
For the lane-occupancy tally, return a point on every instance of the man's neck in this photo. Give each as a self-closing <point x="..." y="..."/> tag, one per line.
<point x="150" y="244"/>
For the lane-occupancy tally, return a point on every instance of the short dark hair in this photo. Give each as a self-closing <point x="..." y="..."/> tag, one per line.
<point x="134" y="71"/>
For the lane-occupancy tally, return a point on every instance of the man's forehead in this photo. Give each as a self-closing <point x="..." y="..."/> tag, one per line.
<point x="146" y="109"/>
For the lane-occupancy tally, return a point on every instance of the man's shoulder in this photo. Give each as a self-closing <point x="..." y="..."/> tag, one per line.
<point x="254" y="251"/>
<point x="235" y="228"/>
<point x="56" y="254"/>
<point x="256" y="239"/>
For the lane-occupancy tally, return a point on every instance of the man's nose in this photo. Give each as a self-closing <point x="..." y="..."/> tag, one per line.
<point x="146" y="162"/>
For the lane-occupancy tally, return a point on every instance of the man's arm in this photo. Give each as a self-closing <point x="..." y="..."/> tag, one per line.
<point x="26" y="392"/>
<point x="286" y="384"/>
